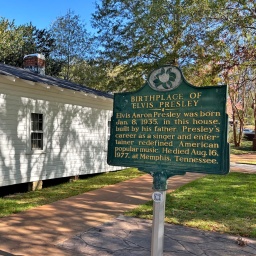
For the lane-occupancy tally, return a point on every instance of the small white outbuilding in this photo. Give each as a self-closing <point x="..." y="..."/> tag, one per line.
<point x="50" y="128"/>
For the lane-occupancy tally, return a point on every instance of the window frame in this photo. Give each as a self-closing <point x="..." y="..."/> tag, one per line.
<point x="36" y="128"/>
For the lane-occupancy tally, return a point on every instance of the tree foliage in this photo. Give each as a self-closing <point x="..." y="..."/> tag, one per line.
<point x="141" y="35"/>
<point x="18" y="41"/>
<point x="212" y="41"/>
<point x="11" y="40"/>
<point x="200" y="36"/>
<point x="236" y="28"/>
<point x="70" y="37"/>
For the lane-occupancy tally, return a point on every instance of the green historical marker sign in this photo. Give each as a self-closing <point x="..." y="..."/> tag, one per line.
<point x="170" y="127"/>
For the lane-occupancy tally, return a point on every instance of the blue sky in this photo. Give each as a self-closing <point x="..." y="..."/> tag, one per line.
<point x="43" y="13"/>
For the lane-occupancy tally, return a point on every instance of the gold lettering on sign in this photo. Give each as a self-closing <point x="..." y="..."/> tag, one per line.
<point x="160" y="130"/>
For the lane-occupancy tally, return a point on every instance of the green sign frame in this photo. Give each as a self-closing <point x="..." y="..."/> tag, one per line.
<point x="170" y="127"/>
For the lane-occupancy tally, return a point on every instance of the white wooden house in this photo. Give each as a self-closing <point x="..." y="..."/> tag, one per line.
<point x="50" y="128"/>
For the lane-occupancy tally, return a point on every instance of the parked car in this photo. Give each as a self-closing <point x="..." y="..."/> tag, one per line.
<point x="248" y="134"/>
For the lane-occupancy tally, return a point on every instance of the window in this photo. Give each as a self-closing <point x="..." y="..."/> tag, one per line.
<point x="36" y="131"/>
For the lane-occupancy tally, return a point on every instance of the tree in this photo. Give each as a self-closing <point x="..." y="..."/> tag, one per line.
<point x="252" y="102"/>
<point x="195" y="35"/>
<point x="70" y="41"/>
<point x="11" y="40"/>
<point x="235" y="28"/>
<point x="237" y="97"/>
<point x="228" y="55"/>
<point x="44" y="42"/>
<point x="18" y="41"/>
<point x="141" y="35"/>
<point x="93" y="75"/>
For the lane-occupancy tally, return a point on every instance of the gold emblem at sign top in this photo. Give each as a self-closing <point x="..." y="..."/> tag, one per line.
<point x="165" y="78"/>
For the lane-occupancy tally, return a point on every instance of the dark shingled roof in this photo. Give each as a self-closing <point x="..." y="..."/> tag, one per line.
<point x="48" y="80"/>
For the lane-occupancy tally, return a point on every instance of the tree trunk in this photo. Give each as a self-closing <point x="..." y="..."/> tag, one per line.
<point x="254" y="139"/>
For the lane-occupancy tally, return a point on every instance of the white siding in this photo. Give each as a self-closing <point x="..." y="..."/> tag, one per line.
<point x="75" y="133"/>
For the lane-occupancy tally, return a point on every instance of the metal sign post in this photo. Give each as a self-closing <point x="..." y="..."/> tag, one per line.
<point x="157" y="239"/>
<point x="159" y="197"/>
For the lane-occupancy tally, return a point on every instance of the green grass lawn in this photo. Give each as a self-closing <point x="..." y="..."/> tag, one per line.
<point x="245" y="148"/>
<point x="23" y="201"/>
<point x="215" y="203"/>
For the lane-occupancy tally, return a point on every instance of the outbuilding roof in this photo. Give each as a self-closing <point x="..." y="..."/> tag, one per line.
<point x="48" y="80"/>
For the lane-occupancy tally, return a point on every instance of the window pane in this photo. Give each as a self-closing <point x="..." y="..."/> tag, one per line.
<point x="40" y="141"/>
<point x="36" y="140"/>
<point x="36" y="131"/>
<point x="36" y="122"/>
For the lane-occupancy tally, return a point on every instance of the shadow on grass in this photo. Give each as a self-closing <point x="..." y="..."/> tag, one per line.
<point x="213" y="203"/>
